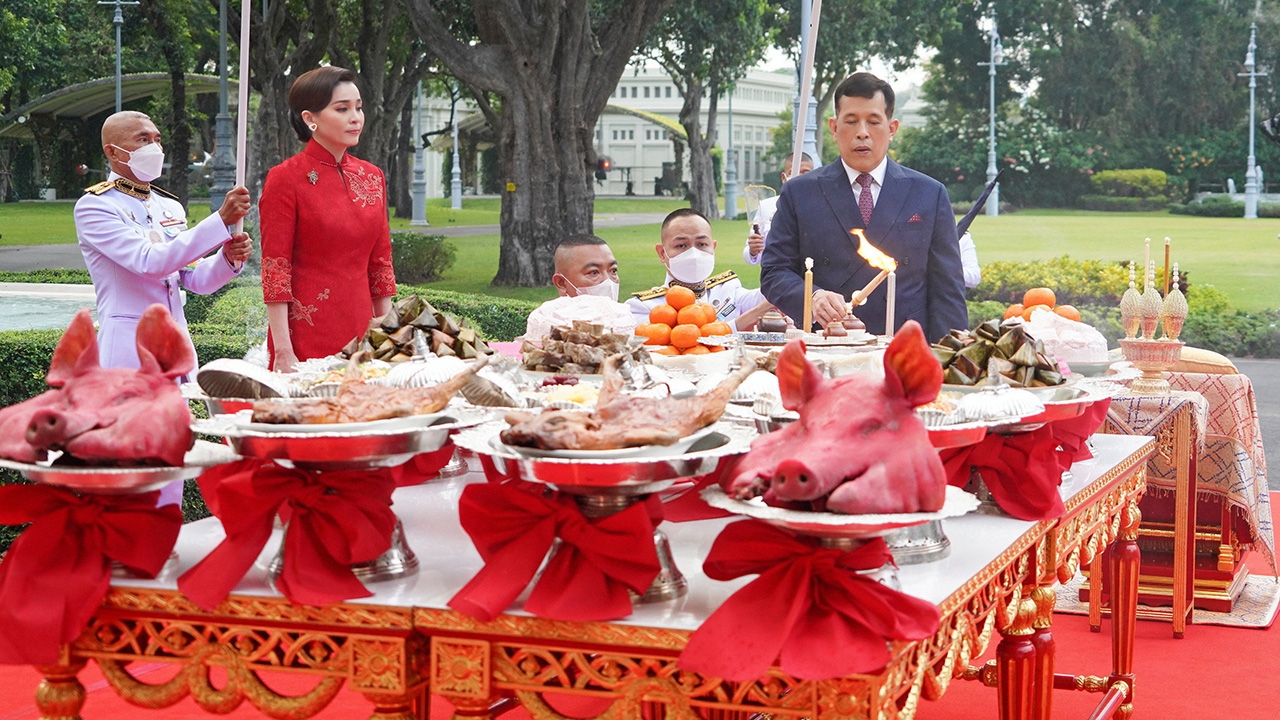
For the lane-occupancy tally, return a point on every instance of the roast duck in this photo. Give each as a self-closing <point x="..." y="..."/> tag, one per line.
<point x="107" y="416"/>
<point x="357" y="401"/>
<point x="858" y="447"/>
<point x="621" y="420"/>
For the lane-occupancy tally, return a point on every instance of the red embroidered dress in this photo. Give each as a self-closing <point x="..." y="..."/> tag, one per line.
<point x="326" y="247"/>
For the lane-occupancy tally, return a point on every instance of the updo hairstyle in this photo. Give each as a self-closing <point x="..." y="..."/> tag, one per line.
<point x="312" y="91"/>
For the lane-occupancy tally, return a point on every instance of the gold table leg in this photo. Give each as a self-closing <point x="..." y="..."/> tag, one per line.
<point x="60" y="694"/>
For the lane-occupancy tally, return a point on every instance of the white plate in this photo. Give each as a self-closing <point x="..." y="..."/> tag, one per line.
<point x="1090" y="369"/>
<point x="243" y="422"/>
<point x="827" y="524"/>
<point x="675" y="448"/>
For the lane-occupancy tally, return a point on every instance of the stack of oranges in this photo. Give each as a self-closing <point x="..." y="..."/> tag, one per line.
<point x="1041" y="298"/>
<point x="675" y="326"/>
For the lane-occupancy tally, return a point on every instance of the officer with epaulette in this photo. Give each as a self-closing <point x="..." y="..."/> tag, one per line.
<point x="689" y="253"/>
<point x="136" y="242"/>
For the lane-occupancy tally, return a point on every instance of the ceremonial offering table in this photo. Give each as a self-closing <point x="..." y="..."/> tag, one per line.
<point x="403" y="644"/>
<point x="1230" y="515"/>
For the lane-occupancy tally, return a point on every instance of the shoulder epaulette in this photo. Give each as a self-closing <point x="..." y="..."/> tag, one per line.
<point x="722" y="278"/>
<point x="100" y="188"/>
<point x="162" y="191"/>
<point x="651" y="293"/>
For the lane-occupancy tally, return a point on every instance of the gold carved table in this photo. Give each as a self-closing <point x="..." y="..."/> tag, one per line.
<point x="403" y="645"/>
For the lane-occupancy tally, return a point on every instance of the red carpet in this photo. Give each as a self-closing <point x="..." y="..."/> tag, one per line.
<point x="1213" y="673"/>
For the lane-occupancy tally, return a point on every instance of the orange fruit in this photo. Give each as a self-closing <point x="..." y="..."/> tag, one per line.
<point x="1039" y="296"/>
<point x="657" y="333"/>
<point x="697" y="350"/>
<point x="685" y="335"/>
<point x="1026" y="314"/>
<point x="680" y="297"/>
<point x="1068" y="311"/>
<point x="691" y="315"/>
<point x="708" y="313"/>
<point x="719" y="327"/>
<point x="667" y="350"/>
<point x="716" y="348"/>
<point x="1014" y="310"/>
<point x="664" y="314"/>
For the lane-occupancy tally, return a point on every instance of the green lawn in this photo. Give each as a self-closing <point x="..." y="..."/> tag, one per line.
<point x="1239" y="257"/>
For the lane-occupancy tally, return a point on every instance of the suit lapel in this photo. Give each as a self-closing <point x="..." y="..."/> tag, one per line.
<point x="889" y="204"/>
<point x="839" y="195"/>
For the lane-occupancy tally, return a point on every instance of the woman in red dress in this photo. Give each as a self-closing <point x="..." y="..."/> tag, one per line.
<point x="326" y="241"/>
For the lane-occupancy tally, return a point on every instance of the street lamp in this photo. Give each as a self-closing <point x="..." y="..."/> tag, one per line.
<point x="455" y="183"/>
<point x="118" y="21"/>
<point x="730" y="173"/>
<point x="1251" y="172"/>
<point x="224" y="160"/>
<point x="419" y="184"/>
<point x="997" y="58"/>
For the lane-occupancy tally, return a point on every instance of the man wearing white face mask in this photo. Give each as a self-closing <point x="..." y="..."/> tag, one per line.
<point x="587" y="280"/>
<point x="689" y="253"/>
<point x="136" y="242"/>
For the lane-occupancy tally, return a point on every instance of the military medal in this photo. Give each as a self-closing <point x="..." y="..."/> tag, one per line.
<point x="313" y="176"/>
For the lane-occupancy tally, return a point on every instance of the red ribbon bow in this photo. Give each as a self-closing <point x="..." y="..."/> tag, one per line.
<point x="1021" y="471"/>
<point x="59" y="569"/>
<point x="422" y="467"/>
<point x="338" y="518"/>
<point x="1073" y="434"/>
<point x="809" y="607"/>
<point x="588" y="576"/>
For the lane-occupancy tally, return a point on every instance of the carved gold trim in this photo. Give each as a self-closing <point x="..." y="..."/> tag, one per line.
<point x="433" y="621"/>
<point x="460" y="667"/>
<point x="272" y="609"/>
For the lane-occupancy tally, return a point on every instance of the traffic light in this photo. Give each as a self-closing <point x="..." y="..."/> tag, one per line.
<point x="603" y="166"/>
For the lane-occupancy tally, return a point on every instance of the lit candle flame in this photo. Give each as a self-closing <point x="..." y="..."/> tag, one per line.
<point x="874" y="257"/>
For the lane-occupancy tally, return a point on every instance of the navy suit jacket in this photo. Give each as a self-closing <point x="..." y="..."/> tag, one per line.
<point x="912" y="223"/>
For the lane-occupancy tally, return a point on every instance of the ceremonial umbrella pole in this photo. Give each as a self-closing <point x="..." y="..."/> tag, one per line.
<point x="242" y="112"/>
<point x="806" y="87"/>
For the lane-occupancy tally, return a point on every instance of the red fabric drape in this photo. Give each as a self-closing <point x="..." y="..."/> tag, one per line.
<point x="337" y="519"/>
<point x="59" y="569"/>
<point x="809" y="609"/>
<point x="588" y="576"/>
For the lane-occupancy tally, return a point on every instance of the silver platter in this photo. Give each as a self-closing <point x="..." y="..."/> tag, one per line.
<point x="343" y="450"/>
<point x="630" y="475"/>
<point x="834" y="525"/>
<point x="125" y="480"/>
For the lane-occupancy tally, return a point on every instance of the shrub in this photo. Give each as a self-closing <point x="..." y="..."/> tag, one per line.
<point x="1077" y="282"/>
<point x="494" y="318"/>
<point x="964" y="206"/>
<point x="1212" y="206"/>
<point x="420" y="258"/>
<point x="1107" y="203"/>
<point x="62" y="276"/>
<point x="1269" y="209"/>
<point x="1144" y="183"/>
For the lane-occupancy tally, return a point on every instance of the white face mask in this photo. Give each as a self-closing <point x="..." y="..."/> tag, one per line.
<point x="607" y="288"/>
<point x="147" y="162"/>
<point x="692" y="265"/>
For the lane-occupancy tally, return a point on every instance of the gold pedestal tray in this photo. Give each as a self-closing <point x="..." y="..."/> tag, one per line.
<point x="1153" y="358"/>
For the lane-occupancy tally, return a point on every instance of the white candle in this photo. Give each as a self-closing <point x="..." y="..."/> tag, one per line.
<point x="1146" y="263"/>
<point x="242" y="112"/>
<point x="890" y="302"/>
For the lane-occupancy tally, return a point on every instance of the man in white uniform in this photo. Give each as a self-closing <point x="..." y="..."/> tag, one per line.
<point x="764" y="214"/>
<point x="136" y="242"/>
<point x="689" y="253"/>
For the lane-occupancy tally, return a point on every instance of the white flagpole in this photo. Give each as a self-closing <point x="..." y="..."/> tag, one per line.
<point x="242" y="112"/>
<point x="806" y="89"/>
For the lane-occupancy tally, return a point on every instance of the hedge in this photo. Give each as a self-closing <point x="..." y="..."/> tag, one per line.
<point x="1075" y="282"/>
<point x="1107" y="203"/>
<point x="495" y="318"/>
<point x="1142" y="183"/>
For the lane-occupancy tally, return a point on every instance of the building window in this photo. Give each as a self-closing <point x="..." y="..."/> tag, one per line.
<point x="634" y="90"/>
<point x="646" y="91"/>
<point x="615" y="134"/>
<point x="631" y="134"/>
<point x="668" y="91"/>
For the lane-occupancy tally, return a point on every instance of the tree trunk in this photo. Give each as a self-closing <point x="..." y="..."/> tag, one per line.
<point x="401" y="174"/>
<point x="702" y="180"/>
<point x="554" y="70"/>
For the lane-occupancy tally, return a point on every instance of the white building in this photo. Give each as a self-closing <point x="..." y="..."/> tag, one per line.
<point x="635" y="131"/>
<point x="639" y="145"/>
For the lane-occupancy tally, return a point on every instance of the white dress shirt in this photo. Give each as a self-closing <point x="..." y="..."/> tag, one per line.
<point x="877" y="179"/>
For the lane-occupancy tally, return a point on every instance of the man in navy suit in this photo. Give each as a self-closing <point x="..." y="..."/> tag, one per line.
<point x="905" y="214"/>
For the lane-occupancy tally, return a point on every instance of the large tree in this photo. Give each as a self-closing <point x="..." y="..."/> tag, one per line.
<point x="553" y="65"/>
<point x="706" y="47"/>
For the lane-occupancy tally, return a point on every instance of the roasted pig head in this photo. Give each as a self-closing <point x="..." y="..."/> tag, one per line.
<point x="858" y="446"/>
<point x="103" y="416"/>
